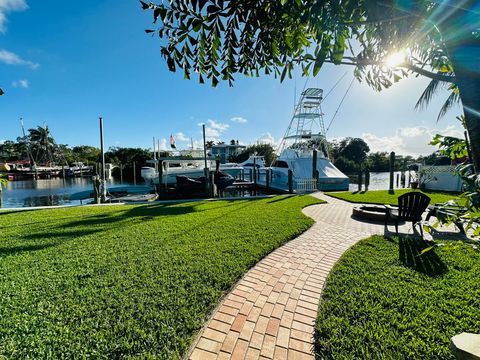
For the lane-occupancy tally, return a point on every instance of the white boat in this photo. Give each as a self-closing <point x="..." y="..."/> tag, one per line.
<point x="306" y="133"/>
<point x="192" y="168"/>
<point x="253" y="161"/>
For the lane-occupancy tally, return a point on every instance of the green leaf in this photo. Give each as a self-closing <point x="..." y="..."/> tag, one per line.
<point x="338" y="49"/>
<point x="427" y="250"/>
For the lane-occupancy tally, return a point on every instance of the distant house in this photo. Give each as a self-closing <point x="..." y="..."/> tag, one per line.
<point x="225" y="151"/>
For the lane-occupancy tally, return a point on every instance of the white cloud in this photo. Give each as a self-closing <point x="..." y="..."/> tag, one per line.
<point x="11" y="58"/>
<point x="181" y="137"/>
<point x="21" y="84"/>
<point x="266" y="138"/>
<point x="163" y="144"/>
<point x="239" y="120"/>
<point x="214" y="129"/>
<point x="7" y="6"/>
<point x="412" y="141"/>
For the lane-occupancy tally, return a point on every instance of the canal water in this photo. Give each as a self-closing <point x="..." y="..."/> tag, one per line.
<point x="381" y="181"/>
<point x="27" y="193"/>
<point x="52" y="192"/>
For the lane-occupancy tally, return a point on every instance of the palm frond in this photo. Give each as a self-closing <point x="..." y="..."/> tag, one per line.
<point x="428" y="94"/>
<point x="452" y="99"/>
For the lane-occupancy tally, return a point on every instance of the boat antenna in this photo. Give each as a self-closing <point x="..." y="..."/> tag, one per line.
<point x="341" y="102"/>
<point x="334" y="86"/>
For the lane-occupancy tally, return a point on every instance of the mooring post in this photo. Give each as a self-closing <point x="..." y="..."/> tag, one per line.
<point x="121" y="173"/>
<point x="290" y="181"/>
<point x="398" y="181"/>
<point x="211" y="183"/>
<point x="267" y="179"/>
<point x="250" y="175"/>
<point x="392" y="166"/>
<point x="360" y="180"/>
<point x="134" y="174"/>
<point x="367" y="179"/>
<point x="316" y="176"/>
<point x="103" y="184"/>
<point x="205" y="170"/>
<point x="96" y="189"/>
<point x="314" y="163"/>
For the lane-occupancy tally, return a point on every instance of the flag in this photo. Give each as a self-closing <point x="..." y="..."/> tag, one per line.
<point x="172" y="142"/>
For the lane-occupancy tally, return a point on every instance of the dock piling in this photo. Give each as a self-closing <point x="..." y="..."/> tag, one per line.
<point x="267" y="179"/>
<point x="314" y="163"/>
<point x="392" y="166"/>
<point x="134" y="174"/>
<point x="290" y="181"/>
<point x="316" y="176"/>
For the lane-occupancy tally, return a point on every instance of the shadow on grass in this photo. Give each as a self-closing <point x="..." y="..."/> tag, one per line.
<point x="277" y="199"/>
<point x="427" y="263"/>
<point x="59" y="234"/>
<point x="146" y="212"/>
<point x="391" y="192"/>
<point x="22" y="249"/>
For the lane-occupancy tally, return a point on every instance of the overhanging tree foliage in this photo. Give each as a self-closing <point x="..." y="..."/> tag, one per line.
<point x="219" y="38"/>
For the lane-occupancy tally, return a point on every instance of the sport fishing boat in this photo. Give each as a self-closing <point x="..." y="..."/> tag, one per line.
<point x="305" y="134"/>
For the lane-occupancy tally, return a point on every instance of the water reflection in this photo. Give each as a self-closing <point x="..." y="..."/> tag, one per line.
<point x="27" y="193"/>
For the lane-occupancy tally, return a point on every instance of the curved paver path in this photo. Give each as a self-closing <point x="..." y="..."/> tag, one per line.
<point x="271" y="311"/>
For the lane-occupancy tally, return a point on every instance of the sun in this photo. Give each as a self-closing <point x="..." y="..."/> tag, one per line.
<point x="395" y="59"/>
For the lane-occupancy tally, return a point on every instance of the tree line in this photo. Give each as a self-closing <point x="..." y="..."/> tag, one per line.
<point x="351" y="155"/>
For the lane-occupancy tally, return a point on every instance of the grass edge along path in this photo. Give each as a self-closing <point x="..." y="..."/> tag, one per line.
<point x="383" y="300"/>
<point x="382" y="197"/>
<point x="126" y="281"/>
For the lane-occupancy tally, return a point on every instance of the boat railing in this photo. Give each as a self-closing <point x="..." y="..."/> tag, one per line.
<point x="305" y="185"/>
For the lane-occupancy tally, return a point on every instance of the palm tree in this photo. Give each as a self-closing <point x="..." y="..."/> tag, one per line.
<point x="43" y="143"/>
<point x="209" y="144"/>
<point x="432" y="89"/>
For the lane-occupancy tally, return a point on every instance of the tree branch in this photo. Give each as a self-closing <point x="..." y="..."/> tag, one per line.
<point x="429" y="74"/>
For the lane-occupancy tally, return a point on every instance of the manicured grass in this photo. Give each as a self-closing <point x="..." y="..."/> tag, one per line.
<point x="386" y="197"/>
<point x="384" y="301"/>
<point x="127" y="281"/>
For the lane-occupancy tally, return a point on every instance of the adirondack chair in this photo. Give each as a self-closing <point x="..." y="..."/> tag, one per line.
<point x="410" y="208"/>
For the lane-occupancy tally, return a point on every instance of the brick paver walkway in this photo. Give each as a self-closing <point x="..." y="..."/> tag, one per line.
<point x="271" y="311"/>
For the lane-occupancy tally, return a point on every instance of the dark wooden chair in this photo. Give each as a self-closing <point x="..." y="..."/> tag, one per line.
<point x="411" y="206"/>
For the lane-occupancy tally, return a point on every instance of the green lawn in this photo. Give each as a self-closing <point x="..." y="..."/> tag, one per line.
<point x="127" y="281"/>
<point x="384" y="301"/>
<point x="386" y="197"/>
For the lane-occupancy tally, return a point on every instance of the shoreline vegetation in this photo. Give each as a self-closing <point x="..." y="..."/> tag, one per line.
<point x="129" y="280"/>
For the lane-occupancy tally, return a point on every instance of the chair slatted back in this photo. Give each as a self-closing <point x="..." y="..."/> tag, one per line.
<point x="412" y="205"/>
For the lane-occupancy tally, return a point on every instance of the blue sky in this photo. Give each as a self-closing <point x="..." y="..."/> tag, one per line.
<point x="65" y="63"/>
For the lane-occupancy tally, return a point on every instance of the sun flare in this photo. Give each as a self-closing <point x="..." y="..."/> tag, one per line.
<point x="395" y="59"/>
